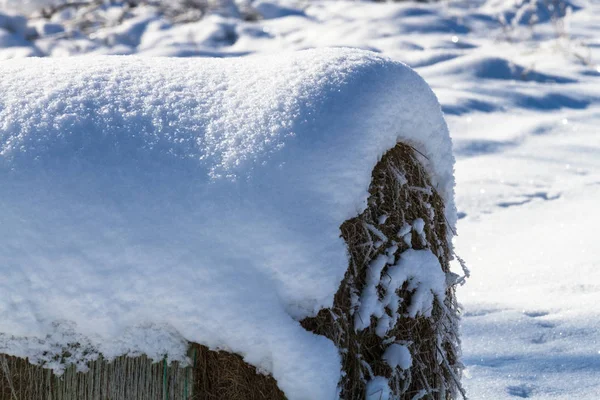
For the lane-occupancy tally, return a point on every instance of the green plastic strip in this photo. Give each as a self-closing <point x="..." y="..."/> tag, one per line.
<point x="165" y="386"/>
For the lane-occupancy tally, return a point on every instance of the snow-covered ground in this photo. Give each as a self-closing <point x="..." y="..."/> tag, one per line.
<point x="522" y="99"/>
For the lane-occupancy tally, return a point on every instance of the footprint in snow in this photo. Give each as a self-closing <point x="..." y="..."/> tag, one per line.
<point x="541" y="339"/>
<point x="544" y="337"/>
<point x="528" y="198"/>
<point x="539" y="314"/>
<point x="523" y="391"/>
<point x="547" y="325"/>
<point x="536" y="314"/>
<point x="481" y="312"/>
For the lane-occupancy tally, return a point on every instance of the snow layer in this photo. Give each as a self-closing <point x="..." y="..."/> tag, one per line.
<point x="147" y="201"/>
<point x="397" y="355"/>
<point x="378" y="388"/>
<point x="419" y="268"/>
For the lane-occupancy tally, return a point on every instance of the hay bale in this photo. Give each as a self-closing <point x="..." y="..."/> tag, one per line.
<point x="401" y="191"/>
<point x="148" y="204"/>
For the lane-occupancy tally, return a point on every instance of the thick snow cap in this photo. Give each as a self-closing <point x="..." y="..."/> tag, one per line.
<point x="146" y="202"/>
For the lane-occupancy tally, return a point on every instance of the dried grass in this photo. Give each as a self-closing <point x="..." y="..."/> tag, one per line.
<point x="223" y="375"/>
<point x="125" y="378"/>
<point x="212" y="375"/>
<point x="401" y="190"/>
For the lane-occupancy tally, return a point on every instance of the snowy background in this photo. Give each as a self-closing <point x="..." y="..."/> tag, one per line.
<point x="519" y="83"/>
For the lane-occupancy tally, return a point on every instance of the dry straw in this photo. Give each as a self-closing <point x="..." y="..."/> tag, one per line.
<point x="211" y="375"/>
<point x="402" y="192"/>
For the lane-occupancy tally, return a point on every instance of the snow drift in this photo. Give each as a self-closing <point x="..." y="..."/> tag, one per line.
<point x="150" y="202"/>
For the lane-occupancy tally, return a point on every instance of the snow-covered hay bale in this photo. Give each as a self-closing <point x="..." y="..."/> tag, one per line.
<point x="151" y="207"/>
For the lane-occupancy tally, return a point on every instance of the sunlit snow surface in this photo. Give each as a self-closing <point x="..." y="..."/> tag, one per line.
<point x="524" y="112"/>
